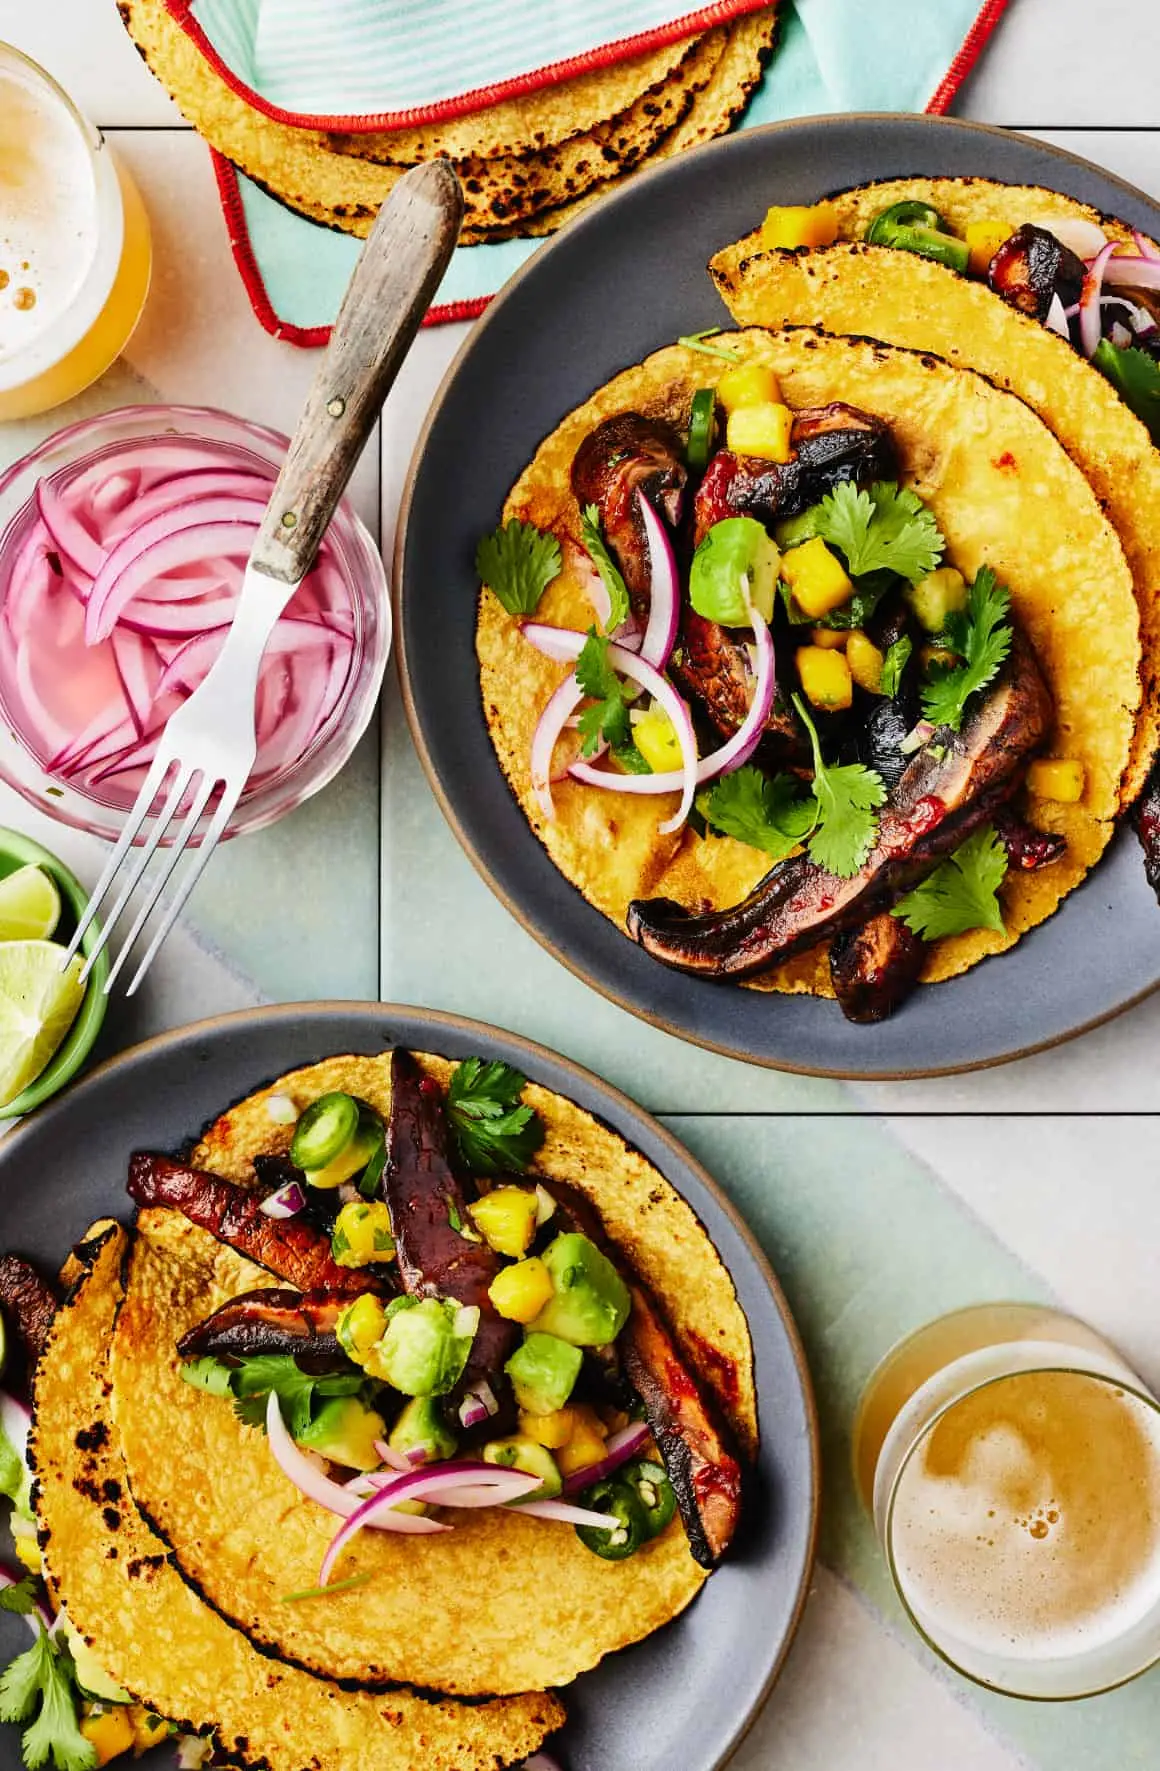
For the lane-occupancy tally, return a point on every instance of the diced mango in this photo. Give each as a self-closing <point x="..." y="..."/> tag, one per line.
<point x="762" y="430"/>
<point x="1058" y="778"/>
<point x="362" y="1234"/>
<point x="831" y="639"/>
<point x="109" y="1731"/>
<point x="798" y="225"/>
<point x="936" y="596"/>
<point x="825" y="678"/>
<point x="552" y="1430"/>
<point x="656" y="738"/>
<point x="520" y="1292"/>
<point x="586" y="1443"/>
<point x="147" y="1728"/>
<point x="506" y="1219"/>
<point x="865" y="661"/>
<point x="817" y="578"/>
<point x="750" y="384"/>
<point x="984" y="239"/>
<point x="361" y="1326"/>
<point x="28" y="1554"/>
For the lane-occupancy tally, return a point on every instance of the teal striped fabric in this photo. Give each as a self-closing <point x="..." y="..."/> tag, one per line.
<point x="362" y="57"/>
<point x="833" y="55"/>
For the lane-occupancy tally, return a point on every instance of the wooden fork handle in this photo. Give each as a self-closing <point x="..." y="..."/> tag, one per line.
<point x="398" y="271"/>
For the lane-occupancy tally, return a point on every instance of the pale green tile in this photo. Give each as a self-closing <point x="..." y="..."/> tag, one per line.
<point x="869" y="1244"/>
<point x="296" y="906"/>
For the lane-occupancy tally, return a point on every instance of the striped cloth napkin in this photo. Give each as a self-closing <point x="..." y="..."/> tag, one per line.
<point x="832" y="56"/>
<point x="398" y="61"/>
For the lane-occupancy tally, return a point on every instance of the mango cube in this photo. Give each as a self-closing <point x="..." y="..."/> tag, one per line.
<point x="1057" y="778"/>
<point x="750" y="384"/>
<point x="550" y="1430"/>
<point x="825" y="678"/>
<point x="521" y="1292"/>
<point x="586" y="1442"/>
<point x="506" y="1219"/>
<point x="362" y="1234"/>
<point x="762" y="430"/>
<point x="798" y="225"/>
<point x="984" y="239"/>
<point x="831" y="639"/>
<point x="361" y="1326"/>
<point x="147" y="1728"/>
<point x="655" y="737"/>
<point x="865" y="661"/>
<point x="817" y="578"/>
<point x="109" y="1731"/>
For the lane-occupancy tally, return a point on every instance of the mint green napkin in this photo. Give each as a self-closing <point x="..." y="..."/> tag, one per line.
<point x="833" y="55"/>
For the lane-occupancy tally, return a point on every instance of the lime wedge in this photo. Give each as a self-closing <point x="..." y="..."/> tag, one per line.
<point x="29" y="905"/>
<point x="38" y="1005"/>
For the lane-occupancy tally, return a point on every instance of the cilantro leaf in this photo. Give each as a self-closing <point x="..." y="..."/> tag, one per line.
<point x="695" y="341"/>
<point x="981" y="635"/>
<point x="887" y="528"/>
<point x="20" y="1598"/>
<point x="895" y="662"/>
<point x="253" y="1380"/>
<point x="495" y="1132"/>
<point x="518" y="561"/>
<point x="771" y="815"/>
<point x="606" y="566"/>
<point x="1136" y="378"/>
<point x="847" y="798"/>
<point x="961" y="892"/>
<point x="606" y="721"/>
<point x="208" y="1374"/>
<point x="44" y="1674"/>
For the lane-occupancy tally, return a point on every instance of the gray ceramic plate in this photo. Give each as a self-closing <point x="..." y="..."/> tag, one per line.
<point x="684" y="1697"/>
<point x="626" y="278"/>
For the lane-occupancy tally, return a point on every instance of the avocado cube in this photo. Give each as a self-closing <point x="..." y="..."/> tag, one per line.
<point x="544" y="1372"/>
<point x="425" y="1347"/>
<point x="345" y="1432"/>
<point x="520" y="1453"/>
<point x="590" y="1302"/>
<point x="421" y="1427"/>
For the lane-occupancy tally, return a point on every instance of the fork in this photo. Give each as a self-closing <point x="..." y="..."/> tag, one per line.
<point x="209" y="745"/>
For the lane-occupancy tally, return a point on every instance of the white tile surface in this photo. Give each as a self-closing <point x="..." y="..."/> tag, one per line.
<point x="1054" y="62"/>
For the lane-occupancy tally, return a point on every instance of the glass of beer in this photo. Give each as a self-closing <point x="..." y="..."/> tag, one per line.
<point x="75" y="253"/>
<point x="1011" y="1461"/>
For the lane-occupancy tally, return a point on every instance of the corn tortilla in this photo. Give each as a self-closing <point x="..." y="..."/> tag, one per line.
<point x="152" y="1633"/>
<point x="1005" y="493"/>
<point x="908" y="300"/>
<point x="311" y="173"/>
<point x="713" y="111"/>
<point x="465" y="1612"/>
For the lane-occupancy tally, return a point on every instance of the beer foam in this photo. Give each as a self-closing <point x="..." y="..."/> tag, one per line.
<point x="48" y="211"/>
<point x="1027" y="1524"/>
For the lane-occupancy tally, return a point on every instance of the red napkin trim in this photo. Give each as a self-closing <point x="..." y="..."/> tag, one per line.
<point x="313" y="336"/>
<point x="701" y="18"/>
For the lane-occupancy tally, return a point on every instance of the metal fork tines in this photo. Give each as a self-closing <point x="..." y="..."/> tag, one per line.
<point x="207" y="748"/>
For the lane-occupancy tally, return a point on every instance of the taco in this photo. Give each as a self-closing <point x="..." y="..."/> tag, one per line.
<point x="886" y="638"/>
<point x="134" y="1624"/>
<point x="563" y="1339"/>
<point x="1037" y="291"/>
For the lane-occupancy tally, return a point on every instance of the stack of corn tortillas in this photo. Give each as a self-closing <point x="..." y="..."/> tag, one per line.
<point x="526" y="164"/>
